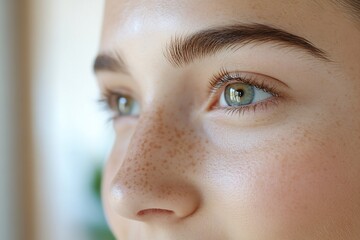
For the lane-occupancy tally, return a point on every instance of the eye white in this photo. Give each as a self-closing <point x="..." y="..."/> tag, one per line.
<point x="135" y="110"/>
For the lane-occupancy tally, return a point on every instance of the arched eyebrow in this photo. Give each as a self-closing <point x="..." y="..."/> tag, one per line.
<point x="182" y="50"/>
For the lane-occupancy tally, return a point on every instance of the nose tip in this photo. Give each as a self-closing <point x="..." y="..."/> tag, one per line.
<point x="148" y="184"/>
<point x="171" y="202"/>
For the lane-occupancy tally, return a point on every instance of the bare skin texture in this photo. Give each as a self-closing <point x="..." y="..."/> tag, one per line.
<point x="185" y="168"/>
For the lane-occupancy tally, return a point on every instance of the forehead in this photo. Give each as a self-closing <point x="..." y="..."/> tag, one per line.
<point x="129" y="17"/>
<point x="139" y="29"/>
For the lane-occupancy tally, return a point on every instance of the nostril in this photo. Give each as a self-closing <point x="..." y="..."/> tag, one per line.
<point x="154" y="211"/>
<point x="145" y="204"/>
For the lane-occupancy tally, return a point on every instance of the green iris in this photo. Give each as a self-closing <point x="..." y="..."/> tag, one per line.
<point x="238" y="94"/>
<point x="126" y="105"/>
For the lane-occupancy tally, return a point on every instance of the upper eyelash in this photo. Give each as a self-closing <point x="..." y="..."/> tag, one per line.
<point x="224" y="77"/>
<point x="105" y="102"/>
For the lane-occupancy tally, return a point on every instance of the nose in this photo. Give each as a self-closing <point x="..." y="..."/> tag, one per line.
<point x="152" y="182"/>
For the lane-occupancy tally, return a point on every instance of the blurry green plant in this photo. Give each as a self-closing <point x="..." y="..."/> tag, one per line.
<point x="96" y="182"/>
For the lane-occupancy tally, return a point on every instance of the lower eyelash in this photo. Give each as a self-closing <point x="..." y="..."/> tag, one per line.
<point x="241" y="110"/>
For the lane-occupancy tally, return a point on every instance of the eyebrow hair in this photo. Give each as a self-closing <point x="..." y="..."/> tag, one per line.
<point x="111" y="62"/>
<point x="183" y="50"/>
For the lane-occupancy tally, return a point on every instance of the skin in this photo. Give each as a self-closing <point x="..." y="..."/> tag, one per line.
<point x="183" y="170"/>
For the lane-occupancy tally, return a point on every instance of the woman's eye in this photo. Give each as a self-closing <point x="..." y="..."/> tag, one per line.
<point x="127" y="106"/>
<point x="242" y="94"/>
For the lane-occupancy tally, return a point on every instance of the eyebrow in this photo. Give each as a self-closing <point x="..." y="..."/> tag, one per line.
<point x="182" y="50"/>
<point x="111" y="62"/>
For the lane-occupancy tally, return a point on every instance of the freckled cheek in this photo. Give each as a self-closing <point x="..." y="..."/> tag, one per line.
<point x="298" y="188"/>
<point x="285" y="187"/>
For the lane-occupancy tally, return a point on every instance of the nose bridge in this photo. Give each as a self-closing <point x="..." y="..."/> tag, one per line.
<point x="156" y="143"/>
<point x="152" y="173"/>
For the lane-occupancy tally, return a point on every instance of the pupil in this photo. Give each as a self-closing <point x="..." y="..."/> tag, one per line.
<point x="236" y="94"/>
<point x="239" y="92"/>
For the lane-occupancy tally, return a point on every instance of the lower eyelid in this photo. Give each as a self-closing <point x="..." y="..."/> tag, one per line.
<point x="250" y="107"/>
<point x="260" y="109"/>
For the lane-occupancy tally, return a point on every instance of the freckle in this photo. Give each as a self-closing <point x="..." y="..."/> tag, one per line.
<point x="338" y="124"/>
<point x="154" y="168"/>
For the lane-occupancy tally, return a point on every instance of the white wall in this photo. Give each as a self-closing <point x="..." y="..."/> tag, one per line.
<point x="69" y="126"/>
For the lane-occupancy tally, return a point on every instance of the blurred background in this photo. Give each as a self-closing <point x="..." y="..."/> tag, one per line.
<point x="53" y="135"/>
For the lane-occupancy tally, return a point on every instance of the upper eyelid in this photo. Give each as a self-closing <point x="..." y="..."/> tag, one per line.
<point x="118" y="91"/>
<point x="255" y="76"/>
<point x="260" y="81"/>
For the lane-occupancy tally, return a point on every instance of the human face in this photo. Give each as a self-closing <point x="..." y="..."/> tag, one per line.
<point x="282" y="166"/>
